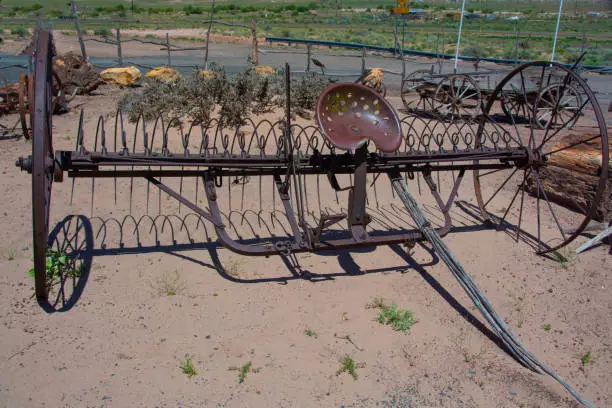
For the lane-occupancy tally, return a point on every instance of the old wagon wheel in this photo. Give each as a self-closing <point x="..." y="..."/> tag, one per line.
<point x="555" y="156"/>
<point x="458" y="96"/>
<point x="26" y="91"/>
<point x="513" y="105"/>
<point x="42" y="162"/>
<point x="412" y="87"/>
<point x="557" y="105"/>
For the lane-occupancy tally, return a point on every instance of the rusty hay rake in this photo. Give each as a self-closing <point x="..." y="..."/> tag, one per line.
<point x="280" y="188"/>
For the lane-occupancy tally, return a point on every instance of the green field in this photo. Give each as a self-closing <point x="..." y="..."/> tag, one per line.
<point x="358" y="21"/>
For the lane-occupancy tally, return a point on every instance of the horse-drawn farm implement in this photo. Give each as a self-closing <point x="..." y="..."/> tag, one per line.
<point x="283" y="188"/>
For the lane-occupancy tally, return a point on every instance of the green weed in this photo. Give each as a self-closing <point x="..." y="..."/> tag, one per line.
<point x="187" y="367"/>
<point x="244" y="370"/>
<point x="349" y="366"/>
<point x="58" y="265"/>
<point x="586" y="359"/>
<point x="547" y="327"/>
<point x="311" y="333"/>
<point x="398" y="319"/>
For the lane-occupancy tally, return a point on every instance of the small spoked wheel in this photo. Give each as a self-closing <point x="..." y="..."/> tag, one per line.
<point x="513" y="105"/>
<point x="548" y="197"/>
<point x="557" y="105"/>
<point x="458" y="96"/>
<point x="412" y="86"/>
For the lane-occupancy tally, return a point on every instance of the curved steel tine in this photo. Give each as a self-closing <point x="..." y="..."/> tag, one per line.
<point x="167" y="220"/>
<point x="153" y="227"/>
<point x="125" y="219"/>
<point x="134" y="152"/>
<point x="97" y="235"/>
<point x="159" y="120"/>
<point x="79" y="147"/>
<point x="95" y="149"/>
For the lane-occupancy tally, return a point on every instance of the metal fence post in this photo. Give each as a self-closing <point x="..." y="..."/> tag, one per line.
<point x="363" y="62"/>
<point x="210" y="22"/>
<point x="308" y="52"/>
<point x="168" y="47"/>
<point x="255" y="55"/>
<point x="78" y="28"/>
<point x="119" y="55"/>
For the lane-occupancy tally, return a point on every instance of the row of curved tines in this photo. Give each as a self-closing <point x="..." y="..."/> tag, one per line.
<point x="175" y="229"/>
<point x="267" y="138"/>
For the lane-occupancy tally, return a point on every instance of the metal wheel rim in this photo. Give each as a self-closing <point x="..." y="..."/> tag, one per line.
<point x="407" y="89"/>
<point x="598" y="116"/>
<point x="42" y="160"/>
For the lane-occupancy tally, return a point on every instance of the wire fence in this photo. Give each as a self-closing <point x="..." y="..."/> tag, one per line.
<point x="332" y="58"/>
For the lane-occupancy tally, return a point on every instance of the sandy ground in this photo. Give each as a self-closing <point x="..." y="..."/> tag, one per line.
<point x="145" y="307"/>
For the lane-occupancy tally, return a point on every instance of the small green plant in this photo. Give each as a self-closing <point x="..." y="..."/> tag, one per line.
<point x="563" y="257"/>
<point x="244" y="370"/>
<point x="58" y="265"/>
<point x="586" y="359"/>
<point x="398" y="319"/>
<point x="311" y="333"/>
<point x="168" y="283"/>
<point x="187" y="367"/>
<point x="10" y="255"/>
<point x="547" y="327"/>
<point x="349" y="366"/>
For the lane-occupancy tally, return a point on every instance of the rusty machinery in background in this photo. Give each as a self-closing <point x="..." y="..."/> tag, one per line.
<point x="319" y="187"/>
<point x="16" y="98"/>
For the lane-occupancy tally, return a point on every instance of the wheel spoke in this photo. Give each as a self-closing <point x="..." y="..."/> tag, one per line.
<point x="546" y="139"/>
<point x="535" y="175"/>
<point x="500" y="187"/>
<point x="512" y="201"/>
<point x="522" y="187"/>
<point x="573" y="145"/>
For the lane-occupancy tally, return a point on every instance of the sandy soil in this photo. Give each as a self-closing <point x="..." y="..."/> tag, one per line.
<point x="144" y="308"/>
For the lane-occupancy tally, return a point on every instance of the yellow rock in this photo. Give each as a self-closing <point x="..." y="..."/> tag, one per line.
<point x="264" y="70"/>
<point x="374" y="79"/>
<point x="163" y="74"/>
<point x="207" y="73"/>
<point x="127" y="76"/>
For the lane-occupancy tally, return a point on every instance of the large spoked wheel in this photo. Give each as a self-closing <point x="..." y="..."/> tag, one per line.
<point x="42" y="160"/>
<point x="549" y="196"/>
<point x="557" y="105"/>
<point x="458" y="96"/>
<point x="412" y="85"/>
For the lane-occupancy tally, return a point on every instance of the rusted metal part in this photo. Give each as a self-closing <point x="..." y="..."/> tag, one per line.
<point x="42" y="162"/>
<point x="559" y="84"/>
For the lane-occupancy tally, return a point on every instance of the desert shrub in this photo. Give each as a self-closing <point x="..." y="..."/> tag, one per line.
<point x="102" y="32"/>
<point x="19" y="31"/>
<point x="474" y="51"/>
<point x="197" y="96"/>
<point x="153" y="99"/>
<point x="189" y="10"/>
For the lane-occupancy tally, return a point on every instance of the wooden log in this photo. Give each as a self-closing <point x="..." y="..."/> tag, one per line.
<point x="571" y="176"/>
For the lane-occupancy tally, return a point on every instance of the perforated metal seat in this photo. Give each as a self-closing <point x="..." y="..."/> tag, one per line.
<point x="350" y="114"/>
